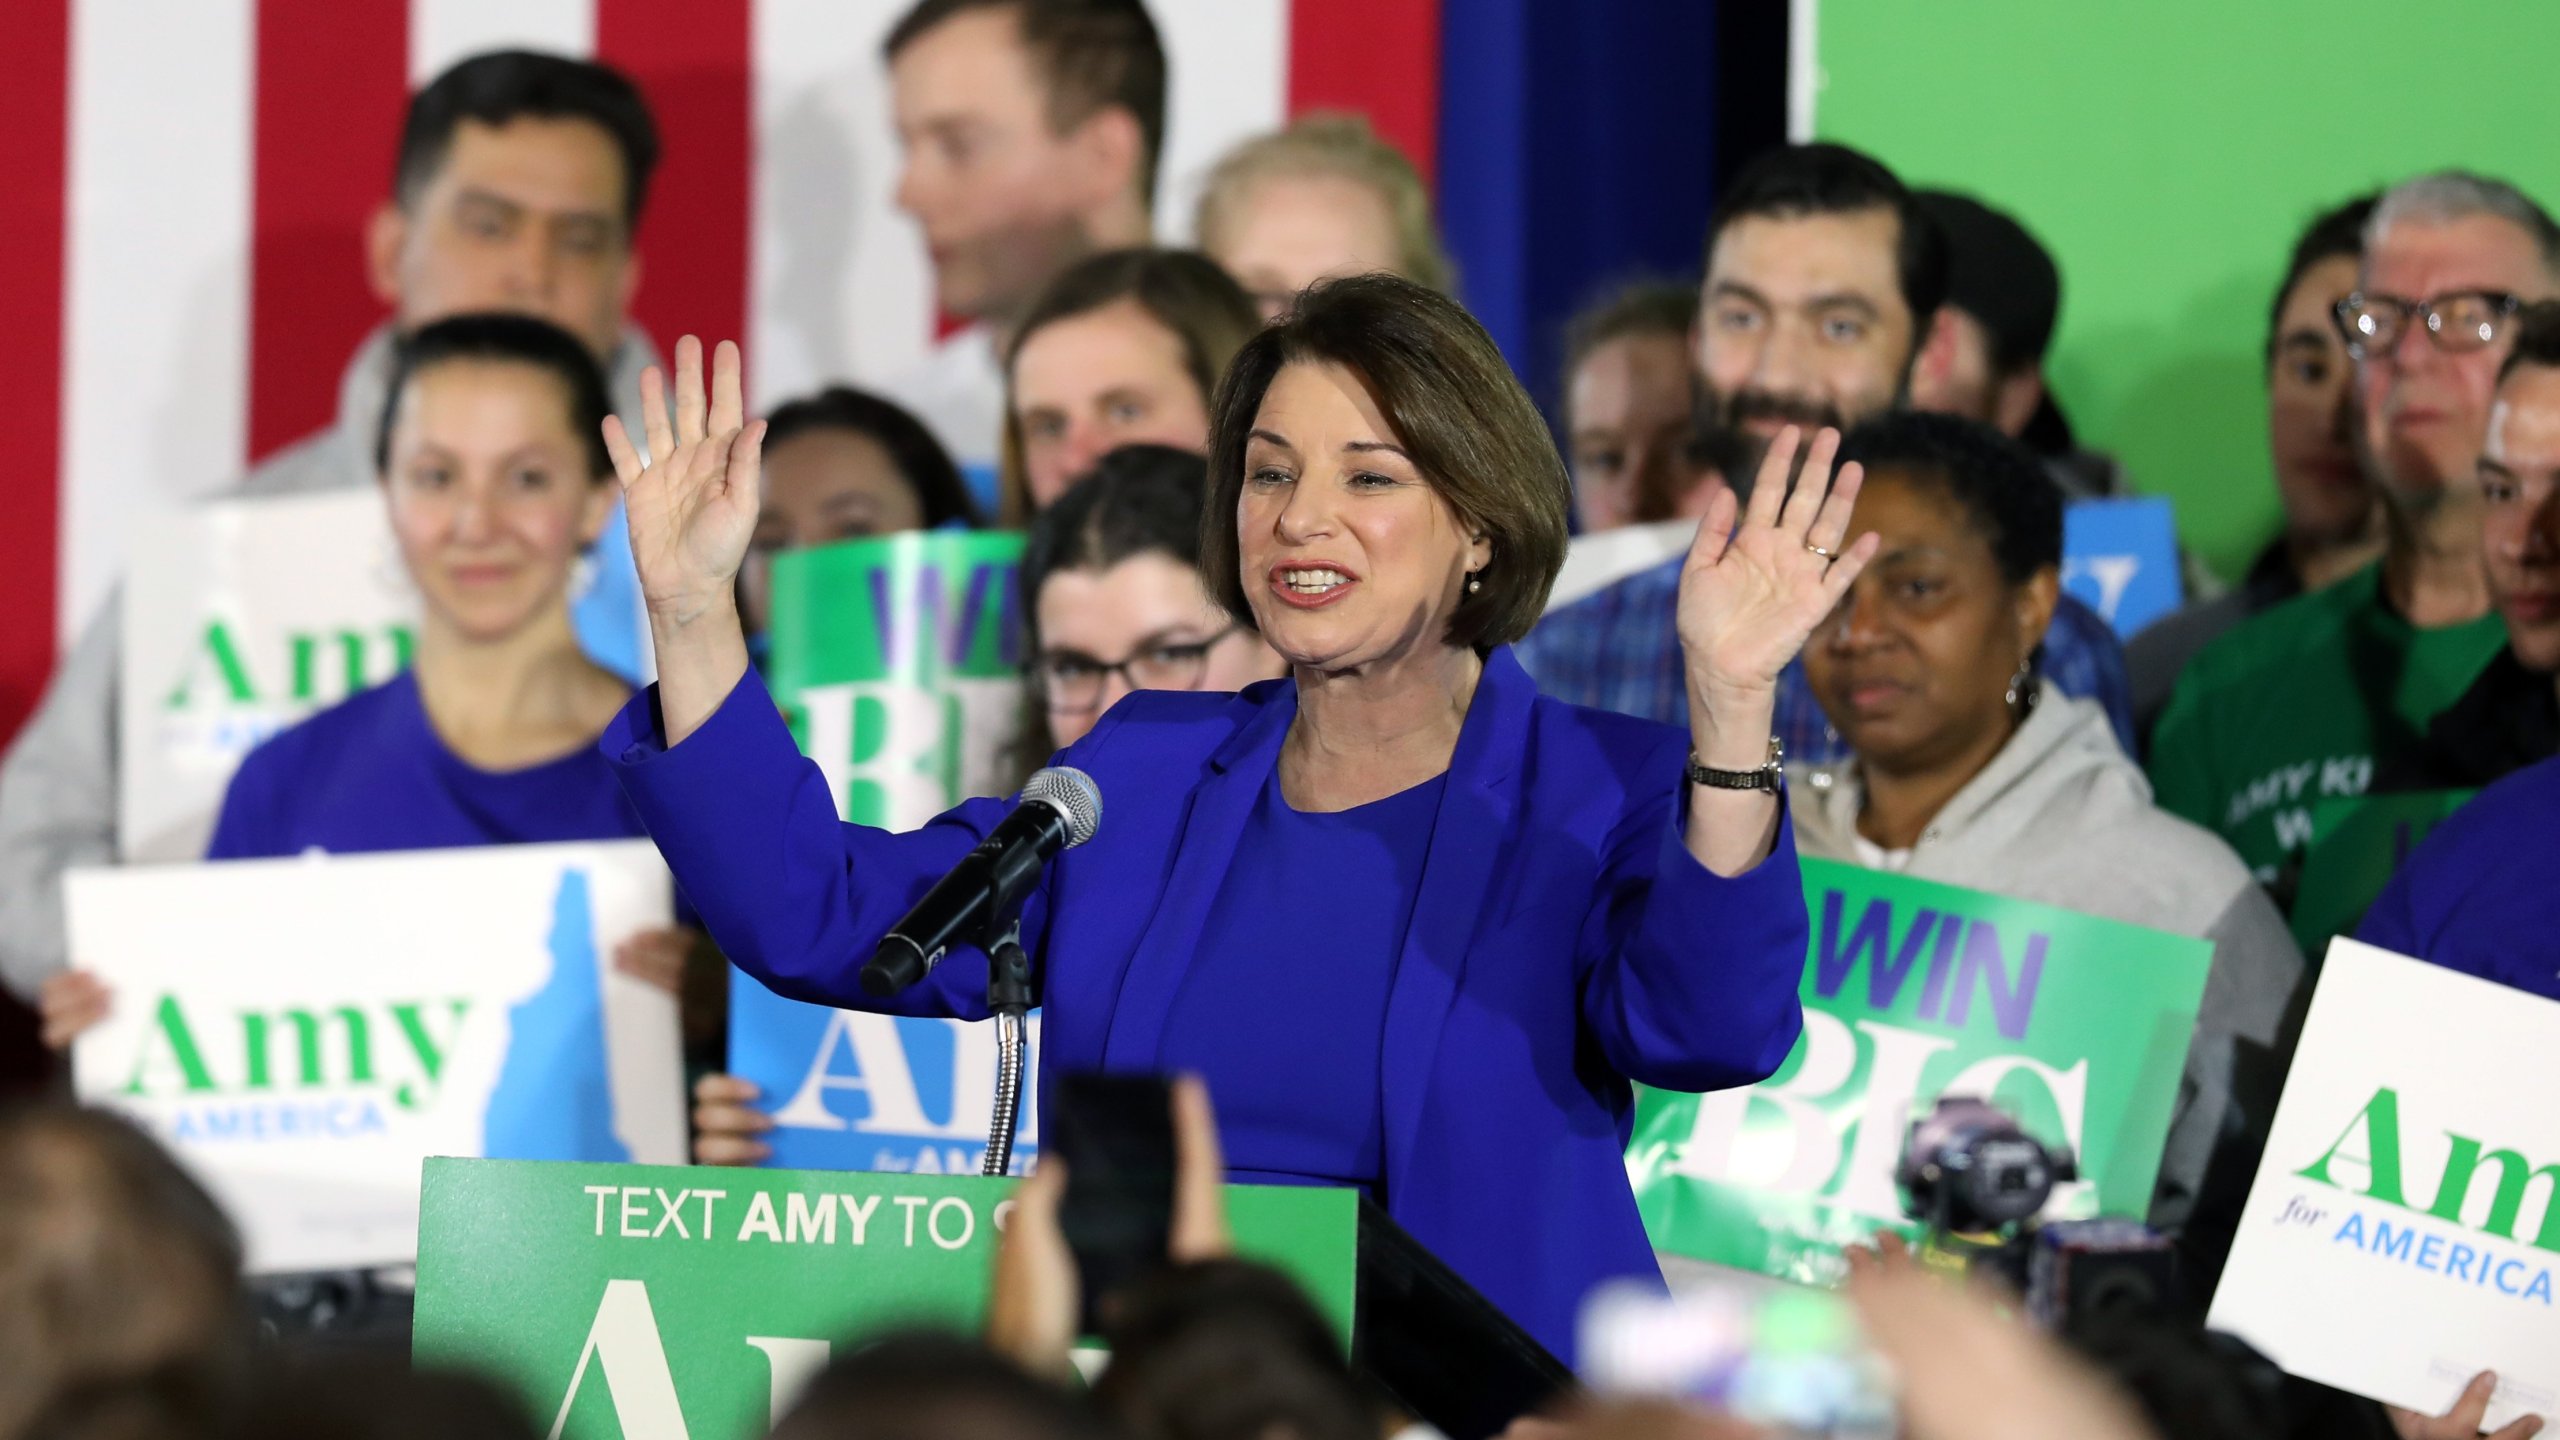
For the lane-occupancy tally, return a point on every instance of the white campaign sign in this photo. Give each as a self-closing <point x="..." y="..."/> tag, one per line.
<point x="2403" y="1232"/>
<point x="240" y="618"/>
<point x="304" y="1032"/>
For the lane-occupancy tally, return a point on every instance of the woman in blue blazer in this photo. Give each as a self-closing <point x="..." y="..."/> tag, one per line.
<point x="1417" y="926"/>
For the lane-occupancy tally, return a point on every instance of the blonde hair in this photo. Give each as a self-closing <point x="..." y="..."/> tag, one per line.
<point x="1336" y="144"/>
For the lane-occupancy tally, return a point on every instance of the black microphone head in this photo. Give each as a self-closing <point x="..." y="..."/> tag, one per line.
<point x="897" y="964"/>
<point x="1071" y="793"/>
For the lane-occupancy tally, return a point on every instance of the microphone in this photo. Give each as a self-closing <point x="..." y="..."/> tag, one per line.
<point x="1061" y="807"/>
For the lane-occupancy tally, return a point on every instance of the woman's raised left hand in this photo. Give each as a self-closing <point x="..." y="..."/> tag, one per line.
<point x="1752" y="591"/>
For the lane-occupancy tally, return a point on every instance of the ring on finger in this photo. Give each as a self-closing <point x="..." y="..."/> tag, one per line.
<point x="1818" y="550"/>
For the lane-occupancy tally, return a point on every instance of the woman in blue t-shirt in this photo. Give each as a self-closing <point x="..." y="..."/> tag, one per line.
<point x="496" y="478"/>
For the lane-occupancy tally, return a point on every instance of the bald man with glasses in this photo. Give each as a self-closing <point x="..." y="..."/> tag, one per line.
<point x="2304" y="702"/>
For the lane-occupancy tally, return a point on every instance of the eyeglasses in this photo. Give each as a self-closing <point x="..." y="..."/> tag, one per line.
<point x="1071" y="683"/>
<point x="2462" y="320"/>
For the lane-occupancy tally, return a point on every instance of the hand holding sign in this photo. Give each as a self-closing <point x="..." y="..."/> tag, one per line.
<point x="2462" y="1422"/>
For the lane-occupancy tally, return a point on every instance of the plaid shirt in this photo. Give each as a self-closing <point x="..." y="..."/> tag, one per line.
<point x="1617" y="649"/>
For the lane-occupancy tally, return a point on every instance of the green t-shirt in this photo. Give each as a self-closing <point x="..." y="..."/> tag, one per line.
<point x="2298" y="704"/>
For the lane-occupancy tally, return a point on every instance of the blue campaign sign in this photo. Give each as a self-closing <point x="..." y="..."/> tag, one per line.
<point x="2120" y="558"/>
<point x="849" y="1091"/>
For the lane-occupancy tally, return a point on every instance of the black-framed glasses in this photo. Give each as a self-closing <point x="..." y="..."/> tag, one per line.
<point x="1071" y="682"/>
<point x="2456" y="321"/>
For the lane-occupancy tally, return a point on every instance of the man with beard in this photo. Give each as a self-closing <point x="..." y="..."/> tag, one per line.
<point x="1824" y="282"/>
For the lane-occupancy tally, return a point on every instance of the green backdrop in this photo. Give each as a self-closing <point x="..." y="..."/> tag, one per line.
<point x="2167" y="152"/>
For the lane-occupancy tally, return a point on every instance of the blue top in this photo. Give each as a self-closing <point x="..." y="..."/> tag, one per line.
<point x="2476" y="895"/>
<point x="1615" y="649"/>
<point x="1273" y="1014"/>
<point x="1562" y="943"/>
<point x="370" y="773"/>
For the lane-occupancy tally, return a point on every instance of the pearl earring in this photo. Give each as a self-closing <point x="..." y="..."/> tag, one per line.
<point x="1474" y="585"/>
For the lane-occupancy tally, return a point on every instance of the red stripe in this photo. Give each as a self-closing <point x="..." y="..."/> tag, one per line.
<point x="1378" y="57"/>
<point x="691" y="58"/>
<point x="34" y="155"/>
<point x="331" y="82"/>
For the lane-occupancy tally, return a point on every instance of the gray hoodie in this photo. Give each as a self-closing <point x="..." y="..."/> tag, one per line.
<point x="58" y="782"/>
<point x="2062" y="817"/>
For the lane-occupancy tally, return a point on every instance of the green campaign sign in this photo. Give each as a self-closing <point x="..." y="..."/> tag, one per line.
<point x="2357" y="842"/>
<point x="687" y="1303"/>
<point x="899" y="664"/>
<point x="2076" y="1026"/>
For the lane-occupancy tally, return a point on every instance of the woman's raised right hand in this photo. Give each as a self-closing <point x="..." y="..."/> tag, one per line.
<point x="693" y="500"/>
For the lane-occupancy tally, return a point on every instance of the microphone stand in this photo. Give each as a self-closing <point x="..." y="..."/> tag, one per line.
<point x="1010" y="996"/>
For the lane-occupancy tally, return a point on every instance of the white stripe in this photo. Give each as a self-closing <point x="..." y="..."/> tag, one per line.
<point x="444" y="31"/>
<point x="841" y="286"/>
<point x="1230" y="63"/>
<point x="156" y="318"/>
<point x="1804" y="68"/>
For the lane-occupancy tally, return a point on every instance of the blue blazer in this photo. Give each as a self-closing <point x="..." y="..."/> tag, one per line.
<point x="1564" y="942"/>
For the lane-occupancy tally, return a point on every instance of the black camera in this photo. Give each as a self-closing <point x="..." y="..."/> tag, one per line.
<point x="1967" y="1169"/>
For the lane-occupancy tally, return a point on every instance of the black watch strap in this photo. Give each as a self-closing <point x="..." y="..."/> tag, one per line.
<point x="1764" y="778"/>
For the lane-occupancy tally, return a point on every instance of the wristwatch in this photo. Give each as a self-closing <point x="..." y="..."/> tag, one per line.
<point x="1764" y="778"/>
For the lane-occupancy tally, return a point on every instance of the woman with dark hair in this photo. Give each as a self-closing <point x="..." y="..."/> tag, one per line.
<point x="496" y="480"/>
<point x="845" y="464"/>
<point x="1968" y="768"/>
<point x="1111" y="582"/>
<point x="1123" y="348"/>
<point x="1418" y="926"/>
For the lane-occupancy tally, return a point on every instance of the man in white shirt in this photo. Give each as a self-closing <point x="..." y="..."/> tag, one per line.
<point x="1031" y="131"/>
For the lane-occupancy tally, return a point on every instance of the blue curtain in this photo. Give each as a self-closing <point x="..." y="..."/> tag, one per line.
<point x="1577" y="150"/>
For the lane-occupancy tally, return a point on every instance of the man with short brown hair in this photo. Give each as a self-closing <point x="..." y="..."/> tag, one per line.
<point x="1030" y="131"/>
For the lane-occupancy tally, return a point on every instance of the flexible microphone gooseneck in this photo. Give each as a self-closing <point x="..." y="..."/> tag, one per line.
<point x="1061" y="808"/>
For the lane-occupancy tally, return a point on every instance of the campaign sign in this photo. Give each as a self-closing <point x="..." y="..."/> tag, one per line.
<point x="303" y="1032"/>
<point x="2075" y="1026"/>
<point x="693" y="1304"/>
<point x="898" y="663"/>
<point x="244" y="616"/>
<point x="2120" y="558"/>
<point x="2405" y="1223"/>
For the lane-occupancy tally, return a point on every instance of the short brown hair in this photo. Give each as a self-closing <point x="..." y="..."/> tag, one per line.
<point x="1642" y="307"/>
<point x="1453" y="406"/>
<point x="1182" y="290"/>
<point x="2537" y="339"/>
<point x="1336" y="144"/>
<point x="1090" y="54"/>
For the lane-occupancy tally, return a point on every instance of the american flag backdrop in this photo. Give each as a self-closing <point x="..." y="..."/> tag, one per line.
<point x="183" y="185"/>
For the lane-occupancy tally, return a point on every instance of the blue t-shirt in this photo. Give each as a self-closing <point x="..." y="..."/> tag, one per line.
<point x="2476" y="895"/>
<point x="1283" y="1009"/>
<point x="370" y="773"/>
